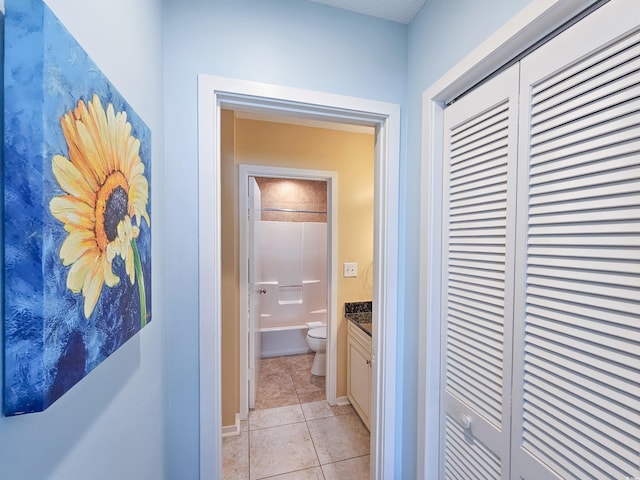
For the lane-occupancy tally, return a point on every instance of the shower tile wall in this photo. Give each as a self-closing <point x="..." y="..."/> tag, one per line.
<point x="308" y="195"/>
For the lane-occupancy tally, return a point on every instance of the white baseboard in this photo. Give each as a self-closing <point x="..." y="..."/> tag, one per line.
<point x="342" y="401"/>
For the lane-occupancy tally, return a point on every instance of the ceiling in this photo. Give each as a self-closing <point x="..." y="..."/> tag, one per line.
<point x="401" y="11"/>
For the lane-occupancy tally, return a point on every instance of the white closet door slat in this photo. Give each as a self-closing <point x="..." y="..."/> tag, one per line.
<point x="485" y="133"/>
<point x="578" y="393"/>
<point x="580" y="420"/>
<point x="624" y="49"/>
<point x="574" y="132"/>
<point x="614" y="413"/>
<point x="590" y="145"/>
<point x="479" y="162"/>
<point x="619" y="319"/>
<point x="590" y="97"/>
<point x="464" y="459"/>
<point x="565" y="125"/>
<point x="606" y="192"/>
<point x="551" y="161"/>
<point x="480" y="130"/>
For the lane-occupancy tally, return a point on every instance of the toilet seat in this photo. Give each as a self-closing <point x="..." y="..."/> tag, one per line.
<point x="320" y="332"/>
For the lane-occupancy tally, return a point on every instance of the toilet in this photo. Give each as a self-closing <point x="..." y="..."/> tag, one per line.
<point x="317" y="341"/>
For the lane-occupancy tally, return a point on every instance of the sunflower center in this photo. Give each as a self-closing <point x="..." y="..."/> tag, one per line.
<point x="112" y="203"/>
<point x="114" y="212"/>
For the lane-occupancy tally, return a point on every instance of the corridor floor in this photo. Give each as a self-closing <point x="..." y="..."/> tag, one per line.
<point x="293" y="434"/>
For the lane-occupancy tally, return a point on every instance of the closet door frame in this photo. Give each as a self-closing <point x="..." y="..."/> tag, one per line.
<point x="528" y="27"/>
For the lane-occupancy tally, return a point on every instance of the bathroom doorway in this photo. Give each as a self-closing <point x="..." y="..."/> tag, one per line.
<point x="288" y="240"/>
<point x="214" y="95"/>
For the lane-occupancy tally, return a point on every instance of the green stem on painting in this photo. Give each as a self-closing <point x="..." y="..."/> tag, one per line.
<point x="143" y="297"/>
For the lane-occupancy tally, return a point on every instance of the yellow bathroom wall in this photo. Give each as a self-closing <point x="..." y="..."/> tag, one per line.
<point x="349" y="154"/>
<point x="230" y="335"/>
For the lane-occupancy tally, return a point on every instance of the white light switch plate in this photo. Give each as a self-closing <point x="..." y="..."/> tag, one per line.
<point x="349" y="270"/>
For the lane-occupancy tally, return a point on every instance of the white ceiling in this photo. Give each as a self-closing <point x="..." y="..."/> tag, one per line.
<point x="401" y="11"/>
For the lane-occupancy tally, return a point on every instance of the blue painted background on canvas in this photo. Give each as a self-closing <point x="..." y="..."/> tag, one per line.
<point x="49" y="343"/>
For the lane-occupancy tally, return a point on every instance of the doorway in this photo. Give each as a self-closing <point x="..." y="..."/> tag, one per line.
<point x="289" y="322"/>
<point x="215" y="93"/>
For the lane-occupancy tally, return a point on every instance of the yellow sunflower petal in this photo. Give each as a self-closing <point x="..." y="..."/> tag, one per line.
<point x="129" y="265"/>
<point x="92" y="287"/>
<point x="77" y="244"/>
<point x="91" y="152"/>
<point x="131" y="156"/>
<point x="123" y="131"/>
<point x="112" y="139"/>
<point x="110" y="278"/>
<point x="138" y="198"/>
<point x="80" y="269"/>
<point x="92" y="124"/>
<point x="137" y="169"/>
<point x="112" y="251"/>
<point x="71" y="180"/>
<point x="76" y="157"/>
<point x="72" y="212"/>
<point x="100" y="132"/>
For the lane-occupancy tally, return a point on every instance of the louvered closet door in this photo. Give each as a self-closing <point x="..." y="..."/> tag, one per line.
<point x="480" y="145"/>
<point x="577" y="381"/>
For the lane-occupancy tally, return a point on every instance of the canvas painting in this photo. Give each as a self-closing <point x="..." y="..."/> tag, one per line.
<point x="77" y="212"/>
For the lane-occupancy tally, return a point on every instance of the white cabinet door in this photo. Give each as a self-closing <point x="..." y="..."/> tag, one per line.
<point x="577" y="386"/>
<point x="479" y="206"/>
<point x="359" y="379"/>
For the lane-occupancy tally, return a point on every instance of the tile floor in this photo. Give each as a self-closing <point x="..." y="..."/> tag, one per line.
<point x="293" y="434"/>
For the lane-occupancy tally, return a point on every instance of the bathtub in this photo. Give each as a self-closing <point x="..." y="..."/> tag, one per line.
<point x="288" y="338"/>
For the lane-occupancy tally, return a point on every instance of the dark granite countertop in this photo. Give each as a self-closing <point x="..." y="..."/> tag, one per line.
<point x="359" y="313"/>
<point x="362" y="320"/>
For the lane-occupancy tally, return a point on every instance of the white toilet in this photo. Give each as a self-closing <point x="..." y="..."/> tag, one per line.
<point x="317" y="341"/>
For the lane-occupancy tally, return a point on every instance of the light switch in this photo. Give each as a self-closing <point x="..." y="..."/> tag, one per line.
<point x="350" y="269"/>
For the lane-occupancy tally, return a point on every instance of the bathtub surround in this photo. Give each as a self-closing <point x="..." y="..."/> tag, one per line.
<point x="292" y="274"/>
<point x="291" y="270"/>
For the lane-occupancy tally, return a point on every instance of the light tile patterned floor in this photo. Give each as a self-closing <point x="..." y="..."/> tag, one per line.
<point x="293" y="434"/>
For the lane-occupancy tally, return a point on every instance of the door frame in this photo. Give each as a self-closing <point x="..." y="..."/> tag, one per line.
<point x="535" y="22"/>
<point x="331" y="178"/>
<point x="215" y="93"/>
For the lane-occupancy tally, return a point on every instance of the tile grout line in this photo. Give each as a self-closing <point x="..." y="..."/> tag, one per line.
<point x="314" y="446"/>
<point x="290" y="371"/>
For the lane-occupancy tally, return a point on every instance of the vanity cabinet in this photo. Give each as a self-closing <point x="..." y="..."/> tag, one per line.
<point x="359" y="371"/>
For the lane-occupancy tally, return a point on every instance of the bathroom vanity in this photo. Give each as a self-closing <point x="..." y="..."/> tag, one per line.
<point x="359" y="363"/>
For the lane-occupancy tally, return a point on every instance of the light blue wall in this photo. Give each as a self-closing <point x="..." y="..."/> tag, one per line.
<point x="110" y="425"/>
<point x="440" y="36"/>
<point x="286" y="42"/>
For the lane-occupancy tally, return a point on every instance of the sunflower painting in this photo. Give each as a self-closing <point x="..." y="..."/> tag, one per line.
<point x="105" y="187"/>
<point x="77" y="212"/>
